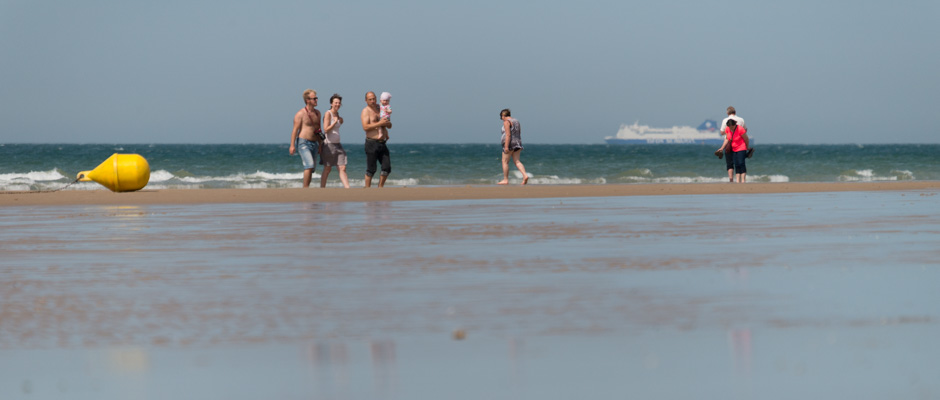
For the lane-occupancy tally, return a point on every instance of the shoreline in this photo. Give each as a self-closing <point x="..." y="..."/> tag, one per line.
<point x="405" y="193"/>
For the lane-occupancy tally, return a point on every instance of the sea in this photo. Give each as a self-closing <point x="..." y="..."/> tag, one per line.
<point x="41" y="167"/>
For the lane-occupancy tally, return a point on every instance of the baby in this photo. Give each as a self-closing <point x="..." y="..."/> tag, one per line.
<point x="385" y="110"/>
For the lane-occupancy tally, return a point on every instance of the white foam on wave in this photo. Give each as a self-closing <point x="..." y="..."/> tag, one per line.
<point x="254" y="185"/>
<point x="163" y="179"/>
<point x="640" y="172"/>
<point x="554" y="180"/>
<point x="33" y="180"/>
<point x="848" y="178"/>
<point x="686" y="179"/>
<point x="702" y="179"/>
<point x="166" y="176"/>
<point x="395" y="182"/>
<point x="670" y="179"/>
<point x="903" y="174"/>
<point x="557" y="180"/>
<point x="161" y="176"/>
<point x="242" y="177"/>
<point x="768" y="178"/>
<point x="867" y="175"/>
<point x="281" y="176"/>
<point x="203" y="179"/>
<point x="32" y="176"/>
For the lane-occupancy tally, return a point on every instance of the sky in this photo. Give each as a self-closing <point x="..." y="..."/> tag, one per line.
<point x="815" y="72"/>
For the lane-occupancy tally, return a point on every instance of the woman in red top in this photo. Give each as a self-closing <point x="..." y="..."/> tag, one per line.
<point x="737" y="136"/>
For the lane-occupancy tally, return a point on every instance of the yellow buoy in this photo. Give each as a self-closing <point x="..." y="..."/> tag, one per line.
<point x="120" y="173"/>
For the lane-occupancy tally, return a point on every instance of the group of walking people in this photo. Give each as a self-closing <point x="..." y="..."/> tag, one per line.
<point x="317" y="136"/>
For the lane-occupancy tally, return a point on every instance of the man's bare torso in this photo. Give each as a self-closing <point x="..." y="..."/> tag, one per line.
<point x="309" y="123"/>
<point x="372" y="116"/>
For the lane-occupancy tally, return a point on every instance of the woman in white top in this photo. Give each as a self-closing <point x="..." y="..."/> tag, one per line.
<point x="511" y="140"/>
<point x="333" y="152"/>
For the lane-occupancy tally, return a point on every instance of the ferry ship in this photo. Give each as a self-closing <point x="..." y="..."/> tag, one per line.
<point x="706" y="133"/>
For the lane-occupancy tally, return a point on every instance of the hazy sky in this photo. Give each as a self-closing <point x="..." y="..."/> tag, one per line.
<point x="572" y="72"/>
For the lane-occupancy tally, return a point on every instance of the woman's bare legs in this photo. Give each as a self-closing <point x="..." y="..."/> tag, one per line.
<point x="515" y="159"/>
<point x="326" y="174"/>
<point x="343" y="177"/>
<point x="505" y="180"/>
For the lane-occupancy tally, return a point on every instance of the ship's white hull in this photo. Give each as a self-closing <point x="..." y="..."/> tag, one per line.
<point x="664" y="141"/>
<point x="643" y="134"/>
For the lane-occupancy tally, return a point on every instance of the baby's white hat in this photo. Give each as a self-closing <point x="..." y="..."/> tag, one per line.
<point x="386" y="96"/>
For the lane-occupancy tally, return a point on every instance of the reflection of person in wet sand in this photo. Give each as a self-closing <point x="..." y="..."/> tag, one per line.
<point x="511" y="140"/>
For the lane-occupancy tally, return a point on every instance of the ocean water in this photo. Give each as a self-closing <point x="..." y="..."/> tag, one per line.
<point x="26" y="167"/>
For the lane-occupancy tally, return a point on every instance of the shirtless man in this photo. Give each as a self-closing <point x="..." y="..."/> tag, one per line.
<point x="376" y="135"/>
<point x="305" y="138"/>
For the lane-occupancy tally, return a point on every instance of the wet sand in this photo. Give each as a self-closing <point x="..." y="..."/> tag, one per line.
<point x="737" y="295"/>
<point x="206" y="196"/>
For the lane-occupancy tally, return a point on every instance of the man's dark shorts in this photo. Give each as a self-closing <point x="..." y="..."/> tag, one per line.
<point x="376" y="151"/>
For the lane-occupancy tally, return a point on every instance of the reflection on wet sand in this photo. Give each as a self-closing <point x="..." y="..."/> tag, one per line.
<point x="351" y="300"/>
<point x="331" y="366"/>
<point x="129" y="360"/>
<point x="740" y="342"/>
<point x="338" y="367"/>
<point x="384" y="366"/>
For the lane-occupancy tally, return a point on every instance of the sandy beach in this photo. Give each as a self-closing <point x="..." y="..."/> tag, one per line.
<point x="549" y="292"/>
<point x="209" y="196"/>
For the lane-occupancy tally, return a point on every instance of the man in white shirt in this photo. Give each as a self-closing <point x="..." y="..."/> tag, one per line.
<point x="724" y="123"/>
<point x="735" y="117"/>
